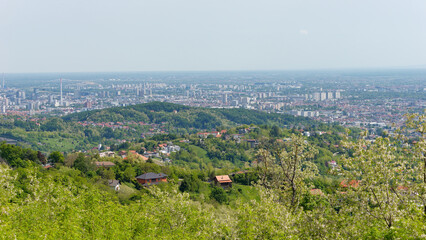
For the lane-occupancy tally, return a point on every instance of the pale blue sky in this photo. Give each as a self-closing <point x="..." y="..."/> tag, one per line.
<point x="139" y="35"/>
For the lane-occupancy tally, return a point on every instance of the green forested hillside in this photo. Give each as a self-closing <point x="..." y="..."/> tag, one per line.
<point x="85" y="130"/>
<point x="187" y="117"/>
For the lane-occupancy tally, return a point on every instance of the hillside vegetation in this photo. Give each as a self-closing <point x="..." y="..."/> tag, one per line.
<point x="181" y="116"/>
<point x="85" y="130"/>
<point x="378" y="190"/>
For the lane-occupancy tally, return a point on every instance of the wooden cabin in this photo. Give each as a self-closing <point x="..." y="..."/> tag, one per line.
<point x="223" y="180"/>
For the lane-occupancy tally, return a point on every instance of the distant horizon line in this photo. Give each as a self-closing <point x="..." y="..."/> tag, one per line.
<point x="419" y="67"/>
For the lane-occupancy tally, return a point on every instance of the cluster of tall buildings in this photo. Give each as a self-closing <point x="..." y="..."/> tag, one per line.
<point x="304" y="113"/>
<point x="3" y="104"/>
<point x="144" y="90"/>
<point x="322" y="96"/>
<point x="13" y="99"/>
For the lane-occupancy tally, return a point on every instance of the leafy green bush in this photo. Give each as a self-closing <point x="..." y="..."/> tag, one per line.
<point x="219" y="194"/>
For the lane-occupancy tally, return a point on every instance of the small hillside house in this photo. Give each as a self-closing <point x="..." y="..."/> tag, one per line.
<point x="107" y="154"/>
<point x="151" y="178"/>
<point x="223" y="180"/>
<point x="114" y="184"/>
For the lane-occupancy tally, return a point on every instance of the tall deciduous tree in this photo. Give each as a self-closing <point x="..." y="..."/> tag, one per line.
<point x="82" y="163"/>
<point x="56" y="157"/>
<point x="41" y="157"/>
<point x="416" y="124"/>
<point x="287" y="166"/>
<point x="376" y="181"/>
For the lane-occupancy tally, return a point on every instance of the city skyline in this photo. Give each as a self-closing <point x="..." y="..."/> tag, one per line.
<point x="345" y="98"/>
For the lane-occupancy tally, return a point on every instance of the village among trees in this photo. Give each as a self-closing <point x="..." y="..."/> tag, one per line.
<point x="237" y="181"/>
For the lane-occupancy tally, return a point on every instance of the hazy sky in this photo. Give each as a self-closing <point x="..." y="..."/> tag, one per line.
<point x="139" y="35"/>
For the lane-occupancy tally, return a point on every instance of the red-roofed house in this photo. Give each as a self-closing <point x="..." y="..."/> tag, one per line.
<point x="223" y="180"/>
<point x="352" y="183"/>
<point x="316" y="191"/>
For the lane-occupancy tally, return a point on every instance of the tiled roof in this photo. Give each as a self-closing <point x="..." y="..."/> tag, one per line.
<point x="316" y="191"/>
<point x="152" y="175"/>
<point x="352" y="183"/>
<point x="223" y="179"/>
<point x="113" y="182"/>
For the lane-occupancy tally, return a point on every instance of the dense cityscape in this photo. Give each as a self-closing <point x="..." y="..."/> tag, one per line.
<point x="347" y="98"/>
<point x="283" y="148"/>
